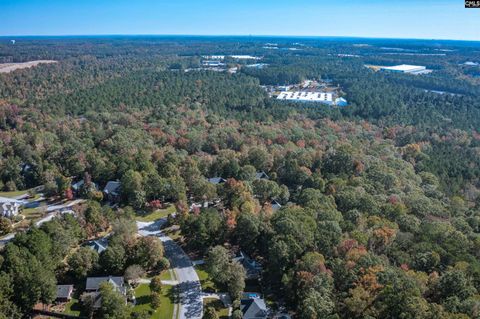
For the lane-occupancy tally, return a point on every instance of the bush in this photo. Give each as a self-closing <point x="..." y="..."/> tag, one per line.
<point x="156" y="284"/>
<point x="5" y="226"/>
<point x="156" y="300"/>
<point x="163" y="264"/>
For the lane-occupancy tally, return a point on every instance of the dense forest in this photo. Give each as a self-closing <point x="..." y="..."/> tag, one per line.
<point x="380" y="199"/>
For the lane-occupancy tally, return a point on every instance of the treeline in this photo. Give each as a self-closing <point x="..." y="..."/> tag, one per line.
<point x="380" y="200"/>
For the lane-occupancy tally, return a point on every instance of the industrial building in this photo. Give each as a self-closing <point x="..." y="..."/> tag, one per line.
<point x="307" y="96"/>
<point x="321" y="97"/>
<point x="405" y="68"/>
<point x="237" y="57"/>
<point x="212" y="63"/>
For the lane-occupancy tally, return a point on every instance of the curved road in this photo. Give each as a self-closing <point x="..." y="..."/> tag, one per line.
<point x="191" y="303"/>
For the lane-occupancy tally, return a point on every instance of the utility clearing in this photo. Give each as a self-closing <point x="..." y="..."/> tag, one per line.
<point x="10" y="67"/>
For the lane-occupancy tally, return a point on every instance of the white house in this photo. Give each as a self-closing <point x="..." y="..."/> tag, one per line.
<point x="9" y="207"/>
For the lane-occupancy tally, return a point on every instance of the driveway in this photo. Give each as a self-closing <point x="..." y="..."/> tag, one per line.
<point x="190" y="290"/>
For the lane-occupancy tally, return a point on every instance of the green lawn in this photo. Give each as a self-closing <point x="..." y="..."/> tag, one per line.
<point x="32" y="213"/>
<point x="13" y="194"/>
<point x="73" y="308"/>
<point x="205" y="279"/>
<point x="160" y="213"/>
<point x="220" y="309"/>
<point x="142" y="294"/>
<point x="166" y="275"/>
<point x="174" y="234"/>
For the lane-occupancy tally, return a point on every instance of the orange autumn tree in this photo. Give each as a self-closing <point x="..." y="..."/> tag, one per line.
<point x="365" y="292"/>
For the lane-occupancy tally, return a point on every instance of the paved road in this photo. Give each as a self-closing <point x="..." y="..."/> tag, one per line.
<point x="191" y="303"/>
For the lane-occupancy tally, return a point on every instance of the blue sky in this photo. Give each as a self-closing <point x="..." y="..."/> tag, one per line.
<point x="441" y="19"/>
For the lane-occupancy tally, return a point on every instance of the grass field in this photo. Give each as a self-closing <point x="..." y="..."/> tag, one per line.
<point x="142" y="294"/>
<point x="173" y="233"/>
<point x="160" y="213"/>
<point x="13" y="194"/>
<point x="220" y="309"/>
<point x="205" y="279"/>
<point x="73" y="308"/>
<point x="32" y="213"/>
<point x="166" y="275"/>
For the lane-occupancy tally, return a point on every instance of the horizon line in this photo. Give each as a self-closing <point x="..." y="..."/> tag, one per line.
<point x="230" y="35"/>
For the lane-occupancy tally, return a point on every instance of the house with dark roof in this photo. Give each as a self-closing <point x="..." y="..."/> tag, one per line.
<point x="217" y="180"/>
<point x="64" y="293"/>
<point x="113" y="191"/>
<point x="275" y="205"/>
<point x="99" y="245"/>
<point x="252" y="268"/>
<point x="261" y="175"/>
<point x="79" y="185"/>
<point x="254" y="308"/>
<point x="93" y="285"/>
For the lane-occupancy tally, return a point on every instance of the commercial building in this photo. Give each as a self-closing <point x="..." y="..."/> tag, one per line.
<point x="323" y="97"/>
<point x="320" y="97"/>
<point x="405" y="68"/>
<point x="212" y="63"/>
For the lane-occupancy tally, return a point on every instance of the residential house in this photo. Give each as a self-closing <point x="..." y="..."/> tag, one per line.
<point x="275" y="205"/>
<point x="9" y="207"/>
<point x="253" y="268"/>
<point x="79" y="185"/>
<point x="112" y="191"/>
<point x="254" y="308"/>
<point x="93" y="286"/>
<point x="99" y="245"/>
<point x="261" y="175"/>
<point x="217" y="180"/>
<point x="93" y="283"/>
<point x="64" y="293"/>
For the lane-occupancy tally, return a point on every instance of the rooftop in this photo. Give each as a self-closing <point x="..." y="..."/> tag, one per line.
<point x="112" y="187"/>
<point x="404" y="68"/>
<point x="217" y="180"/>
<point x="306" y="96"/>
<point x="11" y="200"/>
<point x="98" y="245"/>
<point x="254" y="308"/>
<point x="64" y="291"/>
<point x="93" y="283"/>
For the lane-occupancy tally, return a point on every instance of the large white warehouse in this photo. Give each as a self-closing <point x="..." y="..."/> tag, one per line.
<point x="405" y="68"/>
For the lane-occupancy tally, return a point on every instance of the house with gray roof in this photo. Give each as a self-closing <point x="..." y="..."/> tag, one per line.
<point x="93" y="286"/>
<point x="78" y="187"/>
<point x="275" y="205"/>
<point x="261" y="175"/>
<point x="113" y="191"/>
<point x="64" y="293"/>
<point x="99" y="245"/>
<point x="252" y="268"/>
<point x="254" y="308"/>
<point x="93" y="283"/>
<point x="217" y="180"/>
